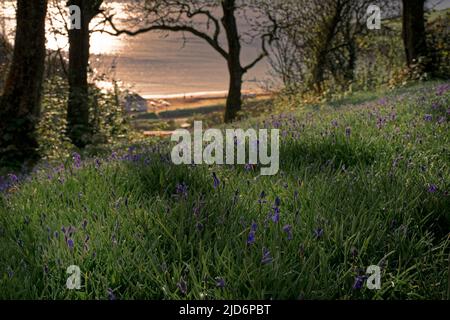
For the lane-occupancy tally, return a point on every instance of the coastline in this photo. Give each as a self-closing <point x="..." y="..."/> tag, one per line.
<point x="197" y="100"/>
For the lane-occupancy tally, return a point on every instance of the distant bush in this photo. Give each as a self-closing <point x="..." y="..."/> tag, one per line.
<point x="108" y="118"/>
<point x="439" y="45"/>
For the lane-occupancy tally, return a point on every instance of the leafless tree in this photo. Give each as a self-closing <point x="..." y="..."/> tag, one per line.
<point x="214" y="21"/>
<point x="316" y="39"/>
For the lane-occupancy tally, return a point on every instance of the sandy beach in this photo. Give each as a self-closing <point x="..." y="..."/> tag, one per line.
<point x="195" y="101"/>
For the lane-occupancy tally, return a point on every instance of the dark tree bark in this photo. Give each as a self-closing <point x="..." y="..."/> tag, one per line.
<point x="236" y="72"/>
<point x="414" y="36"/>
<point x="79" y="128"/>
<point x="318" y="70"/>
<point x="20" y="104"/>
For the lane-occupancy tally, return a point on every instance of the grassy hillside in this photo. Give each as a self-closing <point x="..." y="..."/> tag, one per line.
<point x="364" y="182"/>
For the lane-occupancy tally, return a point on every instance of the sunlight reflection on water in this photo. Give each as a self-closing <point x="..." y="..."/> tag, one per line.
<point x="150" y="63"/>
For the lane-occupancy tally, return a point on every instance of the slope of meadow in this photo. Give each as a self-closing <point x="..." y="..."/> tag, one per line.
<point x="362" y="183"/>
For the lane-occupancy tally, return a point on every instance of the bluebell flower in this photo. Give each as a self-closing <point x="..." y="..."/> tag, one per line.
<point x="432" y="188"/>
<point x="318" y="233"/>
<point x="216" y="180"/>
<point x="288" y="229"/>
<point x="267" y="257"/>
<point x="277" y="202"/>
<point x="262" y="197"/>
<point x="111" y="295"/>
<point x="70" y="244"/>
<point x="251" y="238"/>
<point x="248" y="167"/>
<point x="182" y="286"/>
<point x="76" y="160"/>
<point x="276" y="215"/>
<point x="359" y="282"/>
<point x="182" y="190"/>
<point x="13" y="178"/>
<point x="220" y="283"/>
<point x="348" y="132"/>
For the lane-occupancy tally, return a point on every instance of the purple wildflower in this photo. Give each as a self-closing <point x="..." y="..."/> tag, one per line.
<point x="277" y="202"/>
<point x="393" y="116"/>
<point x="382" y="101"/>
<point x="182" y="286"/>
<point x="84" y="225"/>
<point x="220" y="283"/>
<point x="288" y="229"/>
<point x="13" y="179"/>
<point x="76" y="160"/>
<point x="276" y="215"/>
<point x="267" y="257"/>
<point x="432" y="188"/>
<point x="359" y="282"/>
<point x="251" y="238"/>
<point x="216" y="180"/>
<point x="318" y="233"/>
<point x="182" y="190"/>
<point x="248" y="167"/>
<point x="348" y="132"/>
<point x="70" y="244"/>
<point x="334" y="123"/>
<point x="442" y="89"/>
<point x="98" y="163"/>
<point x="262" y="197"/>
<point x="428" y="117"/>
<point x="111" y="295"/>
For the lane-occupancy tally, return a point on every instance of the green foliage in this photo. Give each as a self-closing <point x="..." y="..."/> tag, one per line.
<point x="380" y="55"/>
<point x="379" y="192"/>
<point x="438" y="40"/>
<point x="108" y="118"/>
<point x="53" y="142"/>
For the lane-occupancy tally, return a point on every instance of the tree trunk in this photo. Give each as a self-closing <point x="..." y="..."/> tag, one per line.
<point x="234" y="100"/>
<point x="79" y="127"/>
<point x="318" y="70"/>
<point x="20" y="104"/>
<point x="414" y="30"/>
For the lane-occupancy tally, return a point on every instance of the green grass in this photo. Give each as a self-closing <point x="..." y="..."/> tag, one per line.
<point x="368" y="192"/>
